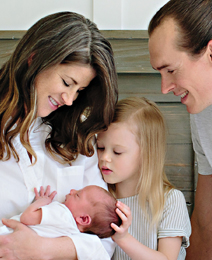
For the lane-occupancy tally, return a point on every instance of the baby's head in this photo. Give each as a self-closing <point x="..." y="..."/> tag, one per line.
<point x="93" y="209"/>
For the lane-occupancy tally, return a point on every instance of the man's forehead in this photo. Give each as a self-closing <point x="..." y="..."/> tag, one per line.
<point x="162" y="43"/>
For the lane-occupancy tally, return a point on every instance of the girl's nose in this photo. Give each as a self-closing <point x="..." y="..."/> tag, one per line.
<point x="105" y="157"/>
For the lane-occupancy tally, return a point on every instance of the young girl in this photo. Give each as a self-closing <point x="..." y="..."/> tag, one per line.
<point x="131" y="158"/>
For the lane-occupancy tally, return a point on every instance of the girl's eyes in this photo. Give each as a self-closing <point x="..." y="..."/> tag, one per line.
<point x="117" y="153"/>
<point x="100" y="148"/>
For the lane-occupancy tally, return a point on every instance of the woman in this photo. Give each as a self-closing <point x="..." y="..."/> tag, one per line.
<point x="57" y="90"/>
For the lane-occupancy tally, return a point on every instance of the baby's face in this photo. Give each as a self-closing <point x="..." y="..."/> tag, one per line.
<point x="80" y="201"/>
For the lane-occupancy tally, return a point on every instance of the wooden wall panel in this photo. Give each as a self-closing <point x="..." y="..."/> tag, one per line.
<point x="6" y="49"/>
<point x="146" y="84"/>
<point x="177" y="122"/>
<point x="132" y="56"/>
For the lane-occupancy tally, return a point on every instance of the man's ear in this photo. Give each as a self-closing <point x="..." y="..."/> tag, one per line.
<point x="209" y="50"/>
<point x="83" y="220"/>
<point x="30" y="59"/>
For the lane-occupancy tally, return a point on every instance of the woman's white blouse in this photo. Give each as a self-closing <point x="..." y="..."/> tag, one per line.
<point x="19" y="179"/>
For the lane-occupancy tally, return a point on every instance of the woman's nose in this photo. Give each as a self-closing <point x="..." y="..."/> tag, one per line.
<point x="69" y="97"/>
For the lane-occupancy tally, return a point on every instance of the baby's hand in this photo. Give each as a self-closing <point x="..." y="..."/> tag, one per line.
<point x="124" y="213"/>
<point x="46" y="194"/>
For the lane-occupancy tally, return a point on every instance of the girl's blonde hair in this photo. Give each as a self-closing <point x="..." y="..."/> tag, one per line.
<point x="147" y="123"/>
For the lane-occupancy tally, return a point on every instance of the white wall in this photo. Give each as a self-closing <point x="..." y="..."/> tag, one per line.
<point x="108" y="14"/>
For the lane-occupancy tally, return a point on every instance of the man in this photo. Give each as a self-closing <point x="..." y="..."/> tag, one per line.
<point x="180" y="46"/>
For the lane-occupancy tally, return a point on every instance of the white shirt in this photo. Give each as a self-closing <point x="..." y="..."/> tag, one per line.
<point x="19" y="179"/>
<point x="57" y="220"/>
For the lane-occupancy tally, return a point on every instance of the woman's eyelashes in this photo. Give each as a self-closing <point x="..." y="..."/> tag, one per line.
<point x="65" y="83"/>
<point x="68" y="85"/>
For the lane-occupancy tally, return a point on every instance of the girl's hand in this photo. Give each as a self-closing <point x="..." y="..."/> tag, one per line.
<point x="44" y="195"/>
<point x="124" y="213"/>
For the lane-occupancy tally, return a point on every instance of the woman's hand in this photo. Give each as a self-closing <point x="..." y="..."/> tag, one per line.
<point x="124" y="213"/>
<point x="25" y="244"/>
<point x="18" y="244"/>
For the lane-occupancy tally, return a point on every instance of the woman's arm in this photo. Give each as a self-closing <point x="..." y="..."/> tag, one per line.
<point x="33" y="214"/>
<point x="25" y="244"/>
<point x="168" y="248"/>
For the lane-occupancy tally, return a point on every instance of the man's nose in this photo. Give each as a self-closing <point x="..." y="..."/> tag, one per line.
<point x="166" y="85"/>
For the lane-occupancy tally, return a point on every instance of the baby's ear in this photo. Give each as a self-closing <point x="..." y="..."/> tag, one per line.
<point x="83" y="220"/>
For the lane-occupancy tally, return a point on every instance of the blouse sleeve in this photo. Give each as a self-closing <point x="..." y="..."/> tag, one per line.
<point x="175" y="219"/>
<point x="89" y="247"/>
